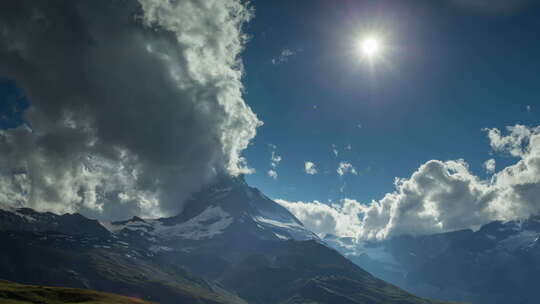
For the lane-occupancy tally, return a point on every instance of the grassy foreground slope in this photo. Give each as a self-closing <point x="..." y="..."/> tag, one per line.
<point x="14" y="293"/>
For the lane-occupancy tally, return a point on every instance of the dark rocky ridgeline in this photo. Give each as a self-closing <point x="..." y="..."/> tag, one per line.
<point x="231" y="244"/>
<point x="498" y="264"/>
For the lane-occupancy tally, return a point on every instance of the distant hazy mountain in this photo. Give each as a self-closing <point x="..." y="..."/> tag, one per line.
<point x="499" y="263"/>
<point x="231" y="244"/>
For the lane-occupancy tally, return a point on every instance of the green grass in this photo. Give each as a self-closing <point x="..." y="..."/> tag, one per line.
<point x="14" y="293"/>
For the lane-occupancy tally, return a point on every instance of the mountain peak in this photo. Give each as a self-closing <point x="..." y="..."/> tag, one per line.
<point x="230" y="200"/>
<point x="226" y="208"/>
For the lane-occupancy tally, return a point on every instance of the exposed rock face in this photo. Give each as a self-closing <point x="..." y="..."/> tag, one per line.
<point x="499" y="263"/>
<point x="230" y="244"/>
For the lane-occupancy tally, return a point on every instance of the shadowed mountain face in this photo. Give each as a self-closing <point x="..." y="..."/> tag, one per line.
<point x="231" y="244"/>
<point x="499" y="263"/>
<point x="228" y="210"/>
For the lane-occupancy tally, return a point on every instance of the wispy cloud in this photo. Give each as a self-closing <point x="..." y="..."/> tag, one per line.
<point x="345" y="167"/>
<point x="335" y="150"/>
<point x="275" y="159"/>
<point x="283" y="56"/>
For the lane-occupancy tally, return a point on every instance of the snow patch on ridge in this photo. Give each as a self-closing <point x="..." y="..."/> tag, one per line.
<point x="156" y="249"/>
<point x="271" y="222"/>
<point x="282" y="237"/>
<point x="281" y="228"/>
<point x="209" y="223"/>
<point x="129" y="225"/>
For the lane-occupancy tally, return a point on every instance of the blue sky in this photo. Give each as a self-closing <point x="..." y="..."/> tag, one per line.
<point x="448" y="70"/>
<point x="13" y="104"/>
<point x="452" y="71"/>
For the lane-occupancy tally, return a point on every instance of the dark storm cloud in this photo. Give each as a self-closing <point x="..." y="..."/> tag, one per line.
<point x="133" y="104"/>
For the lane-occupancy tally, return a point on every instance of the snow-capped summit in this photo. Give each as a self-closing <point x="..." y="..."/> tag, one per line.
<point x="227" y="207"/>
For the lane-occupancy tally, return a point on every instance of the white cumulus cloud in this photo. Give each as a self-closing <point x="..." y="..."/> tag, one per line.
<point x="490" y="165"/>
<point x="272" y="173"/>
<point x="345" y="167"/>
<point x="310" y="168"/>
<point x="324" y="219"/>
<point x="440" y="196"/>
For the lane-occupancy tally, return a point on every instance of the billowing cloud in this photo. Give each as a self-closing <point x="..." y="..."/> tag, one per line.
<point x="514" y="143"/>
<point x="518" y="185"/>
<point x="310" y="168"/>
<point x="441" y="196"/>
<point x="345" y="167"/>
<point x="133" y="104"/>
<point x="324" y="219"/>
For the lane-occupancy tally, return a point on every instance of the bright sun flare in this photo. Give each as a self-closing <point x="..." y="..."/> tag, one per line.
<point x="370" y="46"/>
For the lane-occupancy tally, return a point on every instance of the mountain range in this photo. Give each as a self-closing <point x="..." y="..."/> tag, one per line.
<point x="230" y="244"/>
<point x="499" y="263"/>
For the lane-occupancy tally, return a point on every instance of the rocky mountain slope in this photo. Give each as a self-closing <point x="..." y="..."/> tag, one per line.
<point x="231" y="244"/>
<point x="499" y="263"/>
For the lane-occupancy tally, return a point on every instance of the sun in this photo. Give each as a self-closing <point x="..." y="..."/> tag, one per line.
<point x="370" y="47"/>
